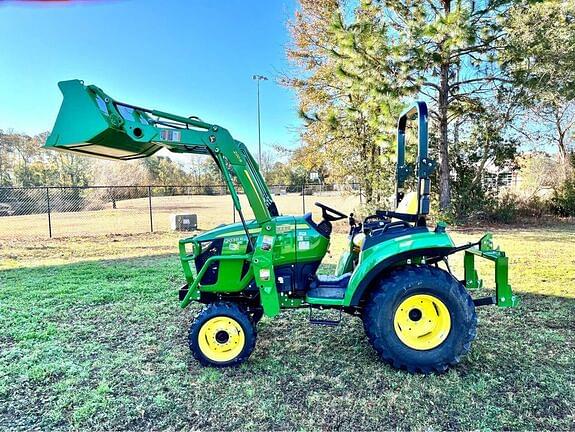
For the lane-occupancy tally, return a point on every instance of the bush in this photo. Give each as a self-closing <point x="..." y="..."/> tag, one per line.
<point x="466" y="204"/>
<point x="533" y="207"/>
<point x="503" y="210"/>
<point x="506" y="209"/>
<point x="563" y="201"/>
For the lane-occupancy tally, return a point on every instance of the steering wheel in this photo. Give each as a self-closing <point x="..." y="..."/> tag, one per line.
<point x="325" y="213"/>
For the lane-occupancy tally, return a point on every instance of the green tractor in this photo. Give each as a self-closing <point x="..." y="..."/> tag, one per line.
<point x="417" y="315"/>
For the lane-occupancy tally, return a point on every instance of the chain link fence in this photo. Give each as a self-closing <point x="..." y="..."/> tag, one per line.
<point x="45" y="212"/>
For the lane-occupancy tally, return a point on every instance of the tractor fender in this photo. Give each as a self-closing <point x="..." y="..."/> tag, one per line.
<point x="380" y="257"/>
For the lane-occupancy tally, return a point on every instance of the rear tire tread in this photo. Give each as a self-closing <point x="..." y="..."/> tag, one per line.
<point x="400" y="277"/>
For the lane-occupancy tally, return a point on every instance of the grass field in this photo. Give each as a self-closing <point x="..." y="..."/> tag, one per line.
<point x="91" y="337"/>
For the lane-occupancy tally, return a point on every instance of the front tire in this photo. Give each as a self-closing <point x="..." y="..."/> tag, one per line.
<point x="222" y="335"/>
<point x="255" y="313"/>
<point x="257" y="316"/>
<point x="421" y="319"/>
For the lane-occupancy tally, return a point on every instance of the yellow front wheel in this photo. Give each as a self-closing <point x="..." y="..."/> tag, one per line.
<point x="222" y="335"/>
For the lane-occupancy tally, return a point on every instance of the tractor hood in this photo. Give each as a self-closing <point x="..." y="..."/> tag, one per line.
<point x="235" y="229"/>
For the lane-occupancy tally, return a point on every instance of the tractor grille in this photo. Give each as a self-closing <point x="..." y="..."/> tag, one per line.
<point x="209" y="249"/>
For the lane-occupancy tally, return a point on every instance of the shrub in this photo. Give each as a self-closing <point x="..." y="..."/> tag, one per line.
<point x="563" y="201"/>
<point x="532" y="207"/>
<point x="504" y="210"/>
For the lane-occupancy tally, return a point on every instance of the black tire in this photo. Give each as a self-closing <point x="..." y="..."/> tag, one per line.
<point x="256" y="315"/>
<point x="401" y="284"/>
<point x="254" y="312"/>
<point x="239" y="321"/>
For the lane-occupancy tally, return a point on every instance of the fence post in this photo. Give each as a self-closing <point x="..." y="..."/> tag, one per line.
<point x="303" y="197"/>
<point x="360" y="197"/>
<point x="49" y="212"/>
<point x="150" y="208"/>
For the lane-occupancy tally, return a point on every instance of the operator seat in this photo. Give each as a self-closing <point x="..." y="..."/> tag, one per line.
<point x="408" y="205"/>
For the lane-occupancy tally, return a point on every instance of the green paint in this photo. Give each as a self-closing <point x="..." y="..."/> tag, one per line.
<point x="194" y="287"/>
<point x="371" y="257"/>
<point x="324" y="301"/>
<point x="264" y="274"/>
<point x="503" y="291"/>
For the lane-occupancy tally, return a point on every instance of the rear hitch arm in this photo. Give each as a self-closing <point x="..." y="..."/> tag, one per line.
<point x="504" y="296"/>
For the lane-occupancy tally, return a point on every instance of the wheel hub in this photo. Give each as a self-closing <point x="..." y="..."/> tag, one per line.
<point x="422" y="322"/>
<point x="222" y="337"/>
<point x="414" y="314"/>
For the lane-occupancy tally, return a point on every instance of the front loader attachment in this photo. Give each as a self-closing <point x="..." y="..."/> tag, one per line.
<point x="91" y="123"/>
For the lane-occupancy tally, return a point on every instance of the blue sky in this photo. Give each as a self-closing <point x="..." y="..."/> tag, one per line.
<point x="185" y="57"/>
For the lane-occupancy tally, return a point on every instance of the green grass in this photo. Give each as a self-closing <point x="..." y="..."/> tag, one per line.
<point x="91" y="337"/>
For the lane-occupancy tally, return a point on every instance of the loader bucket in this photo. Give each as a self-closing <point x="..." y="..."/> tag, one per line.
<point x="92" y="125"/>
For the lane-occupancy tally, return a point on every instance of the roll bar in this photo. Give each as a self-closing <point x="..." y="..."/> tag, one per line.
<point x="424" y="165"/>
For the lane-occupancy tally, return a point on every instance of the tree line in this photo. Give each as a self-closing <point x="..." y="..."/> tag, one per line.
<point x="23" y="163"/>
<point x="498" y="76"/>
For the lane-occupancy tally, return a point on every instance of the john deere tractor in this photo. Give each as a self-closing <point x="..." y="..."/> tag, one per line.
<point x="394" y="275"/>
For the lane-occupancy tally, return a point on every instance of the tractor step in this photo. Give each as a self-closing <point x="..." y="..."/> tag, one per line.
<point x="485" y="301"/>
<point x="324" y="322"/>
<point x="328" y="292"/>
<point x="332" y="296"/>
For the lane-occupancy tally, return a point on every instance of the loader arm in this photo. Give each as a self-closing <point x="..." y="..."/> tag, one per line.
<point x="92" y="123"/>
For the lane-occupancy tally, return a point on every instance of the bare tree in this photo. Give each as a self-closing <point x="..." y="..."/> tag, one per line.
<point x="116" y="173"/>
<point x="554" y="120"/>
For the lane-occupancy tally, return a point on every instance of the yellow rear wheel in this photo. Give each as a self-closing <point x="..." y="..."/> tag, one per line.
<point x="420" y="318"/>
<point x="422" y="322"/>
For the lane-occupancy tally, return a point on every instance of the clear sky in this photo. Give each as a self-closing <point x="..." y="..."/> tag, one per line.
<point x="188" y="57"/>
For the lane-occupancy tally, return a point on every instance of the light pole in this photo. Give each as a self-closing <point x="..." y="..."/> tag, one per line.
<point x="259" y="78"/>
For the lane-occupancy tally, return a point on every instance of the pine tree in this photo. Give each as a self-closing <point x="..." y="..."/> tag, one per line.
<point x="345" y="102"/>
<point x="357" y="71"/>
<point x="541" y="59"/>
